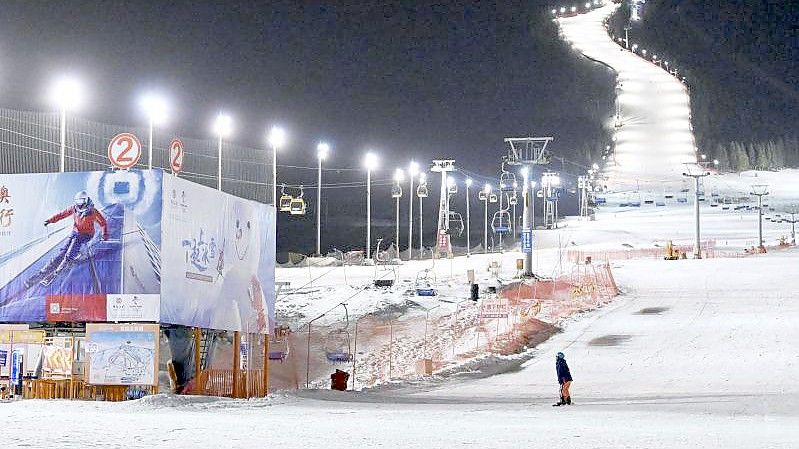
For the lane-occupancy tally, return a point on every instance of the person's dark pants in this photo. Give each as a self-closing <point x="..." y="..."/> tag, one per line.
<point x="67" y="254"/>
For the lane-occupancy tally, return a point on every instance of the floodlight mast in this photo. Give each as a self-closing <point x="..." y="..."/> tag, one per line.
<point x="528" y="152"/>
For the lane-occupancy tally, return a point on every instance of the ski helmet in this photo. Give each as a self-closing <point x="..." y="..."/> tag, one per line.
<point x="82" y="202"/>
<point x="560" y="356"/>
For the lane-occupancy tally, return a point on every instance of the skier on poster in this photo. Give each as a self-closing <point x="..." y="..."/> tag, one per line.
<point x="84" y="216"/>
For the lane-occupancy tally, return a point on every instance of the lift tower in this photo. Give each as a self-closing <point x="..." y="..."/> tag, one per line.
<point x="528" y="152"/>
<point x="443" y="242"/>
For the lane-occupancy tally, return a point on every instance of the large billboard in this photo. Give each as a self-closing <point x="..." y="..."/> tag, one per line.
<point x="218" y="254"/>
<point x="70" y="239"/>
<point x="133" y="246"/>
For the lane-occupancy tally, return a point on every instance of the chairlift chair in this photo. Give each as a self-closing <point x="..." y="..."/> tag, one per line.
<point x="452" y="189"/>
<point x="500" y="222"/>
<point x="506" y="181"/>
<point x="493" y="198"/>
<point x="482" y="195"/>
<point x="285" y="199"/>
<point x="457" y="219"/>
<point x="337" y="346"/>
<point x="279" y="350"/>
<point x="297" y="205"/>
<point x="513" y="200"/>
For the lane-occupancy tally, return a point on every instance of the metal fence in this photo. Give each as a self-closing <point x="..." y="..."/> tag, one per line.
<point x="30" y="143"/>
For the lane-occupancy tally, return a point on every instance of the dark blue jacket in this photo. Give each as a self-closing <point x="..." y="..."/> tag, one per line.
<point x="564" y="375"/>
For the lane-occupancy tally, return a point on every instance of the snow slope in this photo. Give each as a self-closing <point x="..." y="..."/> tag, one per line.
<point x="690" y="357"/>
<point x="655" y="138"/>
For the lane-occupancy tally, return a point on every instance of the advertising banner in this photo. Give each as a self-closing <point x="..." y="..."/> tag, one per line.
<point x="69" y="239"/>
<point x="57" y="359"/>
<point x="218" y="259"/>
<point x="122" y="354"/>
<point x="134" y="246"/>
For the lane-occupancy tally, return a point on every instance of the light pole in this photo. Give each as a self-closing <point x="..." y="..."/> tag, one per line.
<point x="322" y="149"/>
<point x="277" y="138"/>
<point x="399" y="175"/>
<point x="468" y="220"/>
<point x="370" y="163"/>
<point x="792" y="221"/>
<point x="487" y="190"/>
<point x="155" y="108"/>
<point x="413" y="170"/>
<point x="760" y="190"/>
<point x="421" y="193"/>
<point x="222" y="127"/>
<point x="66" y="94"/>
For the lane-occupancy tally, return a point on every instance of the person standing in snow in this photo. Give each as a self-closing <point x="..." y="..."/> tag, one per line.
<point x="564" y="379"/>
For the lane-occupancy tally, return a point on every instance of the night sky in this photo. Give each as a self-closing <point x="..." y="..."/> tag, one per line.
<point x="422" y="80"/>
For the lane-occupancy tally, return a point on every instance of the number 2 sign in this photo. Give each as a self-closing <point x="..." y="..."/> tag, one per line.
<point x="124" y="151"/>
<point x="176" y="155"/>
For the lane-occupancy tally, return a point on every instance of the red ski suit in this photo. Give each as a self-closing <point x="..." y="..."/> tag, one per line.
<point x="83" y="225"/>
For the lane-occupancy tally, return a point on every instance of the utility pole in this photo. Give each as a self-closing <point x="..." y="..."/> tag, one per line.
<point x="413" y="170"/>
<point x="422" y="193"/>
<point x="468" y="220"/>
<point x="697" y="171"/>
<point x="484" y="195"/>
<point x="760" y="190"/>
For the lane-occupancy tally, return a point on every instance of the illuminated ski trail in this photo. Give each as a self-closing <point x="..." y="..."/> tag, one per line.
<point x="655" y="139"/>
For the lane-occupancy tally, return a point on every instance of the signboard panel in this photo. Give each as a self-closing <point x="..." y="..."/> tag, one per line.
<point x="76" y="237"/>
<point x="122" y="354"/>
<point x="133" y="308"/>
<point x="218" y="257"/>
<point x="527" y="241"/>
<point x="124" y="151"/>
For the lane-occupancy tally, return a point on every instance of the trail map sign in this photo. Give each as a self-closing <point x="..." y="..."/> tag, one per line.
<point x="176" y="155"/>
<point x="122" y="354"/>
<point x="124" y="151"/>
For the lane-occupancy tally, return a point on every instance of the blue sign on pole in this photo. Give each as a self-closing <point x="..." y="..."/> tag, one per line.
<point x="527" y="241"/>
<point x="16" y="371"/>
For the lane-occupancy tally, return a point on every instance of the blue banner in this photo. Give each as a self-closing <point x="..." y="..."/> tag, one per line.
<point x="527" y="241"/>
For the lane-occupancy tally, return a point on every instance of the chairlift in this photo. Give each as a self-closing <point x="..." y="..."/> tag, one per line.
<point x="297" y="205"/>
<point x="493" y="198"/>
<point x="396" y="191"/>
<point x="506" y="181"/>
<point x="457" y="219"/>
<point x="482" y="195"/>
<point x="285" y="199"/>
<point x="513" y="200"/>
<point x="421" y="191"/>
<point x="500" y="223"/>
<point x="337" y="346"/>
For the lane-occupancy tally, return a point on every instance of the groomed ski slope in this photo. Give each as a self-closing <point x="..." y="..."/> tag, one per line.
<point x="711" y="363"/>
<point x="655" y="139"/>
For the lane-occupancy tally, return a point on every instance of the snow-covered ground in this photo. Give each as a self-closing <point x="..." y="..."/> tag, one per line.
<point x="695" y="354"/>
